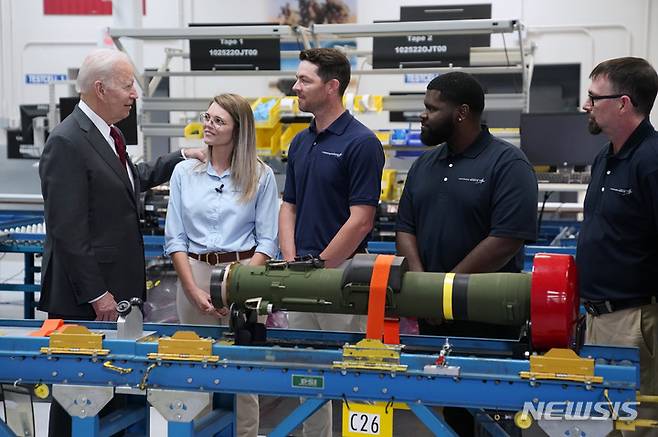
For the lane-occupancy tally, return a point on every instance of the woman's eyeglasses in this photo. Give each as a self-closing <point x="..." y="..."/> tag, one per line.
<point x="207" y="118"/>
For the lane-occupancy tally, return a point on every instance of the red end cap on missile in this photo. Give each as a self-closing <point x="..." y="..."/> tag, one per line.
<point x="554" y="301"/>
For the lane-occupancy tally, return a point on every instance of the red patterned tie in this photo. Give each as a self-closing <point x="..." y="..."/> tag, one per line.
<point x="119" y="145"/>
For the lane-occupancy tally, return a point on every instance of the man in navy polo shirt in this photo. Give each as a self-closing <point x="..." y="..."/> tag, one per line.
<point x="468" y="206"/>
<point x="332" y="188"/>
<point x="618" y="241"/>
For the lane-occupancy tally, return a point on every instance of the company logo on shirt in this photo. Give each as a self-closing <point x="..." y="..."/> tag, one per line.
<point x="622" y="191"/>
<point x="337" y="155"/>
<point x="473" y="180"/>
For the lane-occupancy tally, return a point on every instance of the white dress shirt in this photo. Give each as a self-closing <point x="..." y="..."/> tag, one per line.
<point x="104" y="129"/>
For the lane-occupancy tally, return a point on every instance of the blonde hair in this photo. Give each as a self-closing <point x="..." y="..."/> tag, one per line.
<point x="246" y="167"/>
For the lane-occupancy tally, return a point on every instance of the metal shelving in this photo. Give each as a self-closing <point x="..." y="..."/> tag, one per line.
<point x="448" y="27"/>
<point x="205" y="32"/>
<point x="309" y="37"/>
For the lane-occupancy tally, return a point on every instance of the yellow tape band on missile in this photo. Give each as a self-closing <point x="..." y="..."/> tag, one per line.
<point x="447" y="296"/>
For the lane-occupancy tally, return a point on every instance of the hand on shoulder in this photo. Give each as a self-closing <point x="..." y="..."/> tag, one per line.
<point x="198" y="153"/>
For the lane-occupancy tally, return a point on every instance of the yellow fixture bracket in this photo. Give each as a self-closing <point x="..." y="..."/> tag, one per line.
<point x="561" y="364"/>
<point x="75" y="340"/>
<point x="369" y="354"/>
<point x="185" y="346"/>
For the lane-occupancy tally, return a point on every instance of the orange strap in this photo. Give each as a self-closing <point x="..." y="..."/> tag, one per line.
<point x="48" y="327"/>
<point x="392" y="330"/>
<point x="377" y="298"/>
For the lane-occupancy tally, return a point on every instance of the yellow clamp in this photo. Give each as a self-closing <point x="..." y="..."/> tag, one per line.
<point x="121" y="370"/>
<point x="142" y="383"/>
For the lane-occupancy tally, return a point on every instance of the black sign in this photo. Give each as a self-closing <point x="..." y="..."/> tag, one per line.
<point x="235" y="54"/>
<point x="430" y="50"/>
<point x="445" y="12"/>
<point x="410" y="115"/>
<point x="414" y="51"/>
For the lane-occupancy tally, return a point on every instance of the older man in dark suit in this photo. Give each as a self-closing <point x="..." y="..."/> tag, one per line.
<point x="94" y="252"/>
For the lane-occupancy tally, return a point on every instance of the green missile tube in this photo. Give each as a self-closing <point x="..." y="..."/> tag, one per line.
<point x="547" y="298"/>
<point x="498" y="298"/>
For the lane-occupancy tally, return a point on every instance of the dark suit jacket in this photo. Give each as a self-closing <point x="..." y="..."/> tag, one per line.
<point x="93" y="243"/>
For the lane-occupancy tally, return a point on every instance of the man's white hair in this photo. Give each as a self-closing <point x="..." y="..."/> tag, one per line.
<point x="98" y="65"/>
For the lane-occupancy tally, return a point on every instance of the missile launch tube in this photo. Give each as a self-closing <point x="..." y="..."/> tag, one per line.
<point x="496" y="298"/>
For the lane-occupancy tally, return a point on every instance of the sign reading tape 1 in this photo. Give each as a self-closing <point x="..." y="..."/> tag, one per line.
<point x="235" y="54"/>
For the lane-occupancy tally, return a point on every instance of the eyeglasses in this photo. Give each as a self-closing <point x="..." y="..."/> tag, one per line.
<point x="207" y="118"/>
<point x="593" y="98"/>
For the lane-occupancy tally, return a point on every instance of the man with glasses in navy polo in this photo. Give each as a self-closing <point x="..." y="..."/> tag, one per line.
<point x="618" y="241"/>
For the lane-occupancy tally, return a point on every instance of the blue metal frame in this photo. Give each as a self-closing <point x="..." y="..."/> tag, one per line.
<point x="17" y="218"/>
<point x="381" y="247"/>
<point x="269" y="371"/>
<point x="217" y="423"/>
<point x="432" y="421"/>
<point x="29" y="245"/>
<point x="5" y="431"/>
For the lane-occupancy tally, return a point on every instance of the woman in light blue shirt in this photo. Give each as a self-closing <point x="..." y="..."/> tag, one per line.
<point x="221" y="211"/>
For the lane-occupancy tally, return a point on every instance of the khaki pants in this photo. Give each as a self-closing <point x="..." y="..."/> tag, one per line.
<point x="636" y="327"/>
<point x="246" y="416"/>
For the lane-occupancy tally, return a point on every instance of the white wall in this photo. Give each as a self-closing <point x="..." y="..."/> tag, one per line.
<point x="585" y="31"/>
<point x="34" y="43"/>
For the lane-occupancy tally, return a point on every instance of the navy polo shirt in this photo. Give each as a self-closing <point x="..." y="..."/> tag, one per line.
<point x="327" y="173"/>
<point x="618" y="241"/>
<point x="451" y="202"/>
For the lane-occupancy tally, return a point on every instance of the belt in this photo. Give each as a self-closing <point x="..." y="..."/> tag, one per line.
<point x="598" y="307"/>
<point x="214" y="258"/>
